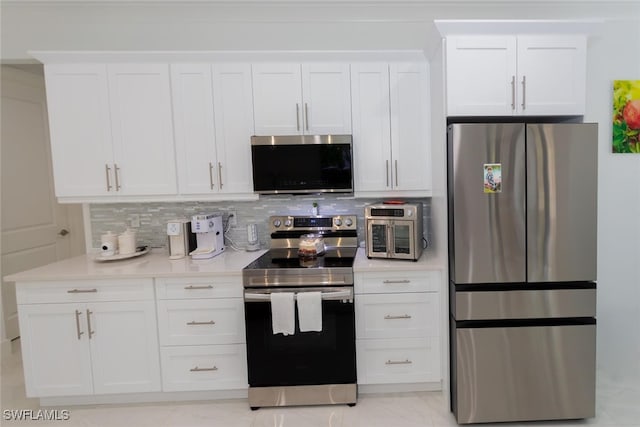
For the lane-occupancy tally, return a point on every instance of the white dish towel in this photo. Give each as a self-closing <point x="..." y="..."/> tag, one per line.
<point x="283" y="314"/>
<point x="310" y="311"/>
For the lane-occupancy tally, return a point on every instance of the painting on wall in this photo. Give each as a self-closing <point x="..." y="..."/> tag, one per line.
<point x="626" y="116"/>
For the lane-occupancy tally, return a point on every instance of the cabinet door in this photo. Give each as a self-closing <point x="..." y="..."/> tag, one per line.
<point x="371" y="130"/>
<point x="124" y="346"/>
<point x="326" y="99"/>
<point x="192" y="90"/>
<point x="410" y="118"/>
<point x="481" y="75"/>
<point x="233" y="107"/>
<point x="142" y="126"/>
<point x="80" y="132"/>
<point x="277" y="99"/>
<point x="552" y="75"/>
<point x="55" y="352"/>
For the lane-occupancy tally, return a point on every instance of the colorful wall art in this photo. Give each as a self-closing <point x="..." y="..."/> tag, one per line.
<point x="626" y="116"/>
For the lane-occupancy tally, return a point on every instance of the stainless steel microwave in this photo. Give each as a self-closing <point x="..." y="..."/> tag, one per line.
<point x="299" y="164"/>
<point x="394" y="231"/>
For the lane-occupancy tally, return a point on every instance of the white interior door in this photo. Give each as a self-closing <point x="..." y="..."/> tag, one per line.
<point x="32" y="220"/>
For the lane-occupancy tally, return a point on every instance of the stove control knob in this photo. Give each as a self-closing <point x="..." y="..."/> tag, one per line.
<point x="348" y="222"/>
<point x="276" y="223"/>
<point x="287" y="223"/>
<point x="337" y="222"/>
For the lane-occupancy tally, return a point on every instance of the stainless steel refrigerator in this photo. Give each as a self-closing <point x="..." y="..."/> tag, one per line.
<point x="522" y="269"/>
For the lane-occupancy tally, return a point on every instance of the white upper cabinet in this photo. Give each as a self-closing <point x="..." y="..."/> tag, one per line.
<point x="213" y="115"/>
<point x="111" y="129"/>
<point x="392" y="150"/>
<point x="142" y="126"/>
<point x="80" y="130"/>
<point x="294" y="99"/>
<point x="515" y="75"/>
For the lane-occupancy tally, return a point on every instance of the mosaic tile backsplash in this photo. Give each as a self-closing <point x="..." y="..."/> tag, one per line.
<point x="153" y="217"/>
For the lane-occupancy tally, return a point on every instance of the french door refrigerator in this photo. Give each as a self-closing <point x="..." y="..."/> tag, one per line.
<point x="522" y="268"/>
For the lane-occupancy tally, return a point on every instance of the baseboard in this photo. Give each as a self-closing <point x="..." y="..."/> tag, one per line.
<point x="398" y="388"/>
<point x="179" y="396"/>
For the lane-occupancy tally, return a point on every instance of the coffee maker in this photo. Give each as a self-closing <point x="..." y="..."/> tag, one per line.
<point x="209" y="236"/>
<point x="181" y="240"/>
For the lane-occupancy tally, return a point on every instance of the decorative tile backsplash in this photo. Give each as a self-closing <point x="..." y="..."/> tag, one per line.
<point x="153" y="217"/>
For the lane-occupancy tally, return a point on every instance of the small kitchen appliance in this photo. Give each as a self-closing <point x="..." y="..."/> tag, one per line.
<point x="252" y="237"/>
<point x="181" y="240"/>
<point x="307" y="366"/>
<point x="394" y="230"/>
<point x="209" y="236"/>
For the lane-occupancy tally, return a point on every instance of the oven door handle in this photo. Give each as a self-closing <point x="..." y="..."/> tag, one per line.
<point x="340" y="294"/>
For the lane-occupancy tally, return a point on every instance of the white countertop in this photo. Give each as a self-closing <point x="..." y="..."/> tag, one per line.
<point x="157" y="264"/>
<point x="427" y="261"/>
<point x="154" y="264"/>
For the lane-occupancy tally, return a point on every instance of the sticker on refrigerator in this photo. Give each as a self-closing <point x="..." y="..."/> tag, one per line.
<point x="492" y="177"/>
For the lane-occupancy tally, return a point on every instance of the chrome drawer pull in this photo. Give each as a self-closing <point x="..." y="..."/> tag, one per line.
<point x="390" y="317"/>
<point x="198" y="287"/>
<point x="193" y="322"/>
<point x="82" y="291"/>
<point x="387" y="282"/>
<point x="398" y="362"/>
<point x="196" y="369"/>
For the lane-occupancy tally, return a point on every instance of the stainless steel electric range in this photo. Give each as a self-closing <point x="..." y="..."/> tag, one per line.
<point x="303" y="368"/>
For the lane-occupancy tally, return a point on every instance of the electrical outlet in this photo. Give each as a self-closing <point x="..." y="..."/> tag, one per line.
<point x="233" y="218"/>
<point x="134" y="220"/>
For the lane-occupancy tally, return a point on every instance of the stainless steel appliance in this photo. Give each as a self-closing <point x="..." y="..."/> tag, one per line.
<point x="302" y="164"/>
<point x="394" y="230"/>
<point x="303" y="368"/>
<point x="522" y="268"/>
<point x="181" y="239"/>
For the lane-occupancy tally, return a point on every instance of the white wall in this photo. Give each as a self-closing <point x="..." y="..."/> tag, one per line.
<point x="360" y="24"/>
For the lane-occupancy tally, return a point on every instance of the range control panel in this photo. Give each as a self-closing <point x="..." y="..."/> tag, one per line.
<point x="312" y="223"/>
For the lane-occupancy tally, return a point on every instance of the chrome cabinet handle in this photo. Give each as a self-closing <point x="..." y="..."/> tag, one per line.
<point x="387" y="282"/>
<point x="191" y="287"/>
<point x="396" y="172"/>
<point x="390" y="317"/>
<point x="116" y="170"/>
<point x="211" y="175"/>
<point x="387" y="171"/>
<point x="196" y="369"/>
<point x="524" y="92"/>
<point x="297" y="117"/>
<point x="82" y="291"/>
<point x="513" y="92"/>
<point x="91" y="333"/>
<point x="220" y="174"/>
<point x="107" y="171"/>
<point x="193" y="322"/>
<point x="78" y="313"/>
<point x="306" y="116"/>
<point x="398" y="362"/>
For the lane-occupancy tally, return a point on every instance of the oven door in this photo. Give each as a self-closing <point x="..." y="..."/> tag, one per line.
<point x="304" y="358"/>
<point x="391" y="239"/>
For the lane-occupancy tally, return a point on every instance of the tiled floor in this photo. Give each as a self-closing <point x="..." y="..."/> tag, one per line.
<point x="616" y="406"/>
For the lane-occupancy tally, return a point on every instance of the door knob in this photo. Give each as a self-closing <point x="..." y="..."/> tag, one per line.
<point x="63" y="232"/>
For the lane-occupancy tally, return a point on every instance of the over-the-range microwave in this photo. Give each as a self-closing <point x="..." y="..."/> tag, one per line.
<point x="302" y="164"/>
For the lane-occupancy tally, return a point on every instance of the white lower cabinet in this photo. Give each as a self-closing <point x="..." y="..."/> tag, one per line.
<point x="84" y="348"/>
<point x="202" y="334"/>
<point x="397" y="327"/>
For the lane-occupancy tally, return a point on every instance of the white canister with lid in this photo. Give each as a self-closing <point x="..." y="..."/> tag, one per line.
<point x="109" y="244"/>
<point x="127" y="242"/>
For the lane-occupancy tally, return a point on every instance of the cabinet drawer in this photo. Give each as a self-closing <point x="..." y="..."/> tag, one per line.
<point x="84" y="291"/>
<point x="200" y="287"/>
<point x="396" y="315"/>
<point x="204" y="321"/>
<point x="394" y="282"/>
<point x="211" y="367"/>
<point x="409" y="360"/>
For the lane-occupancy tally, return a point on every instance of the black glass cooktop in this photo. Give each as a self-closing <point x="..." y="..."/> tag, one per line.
<point x="288" y="258"/>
